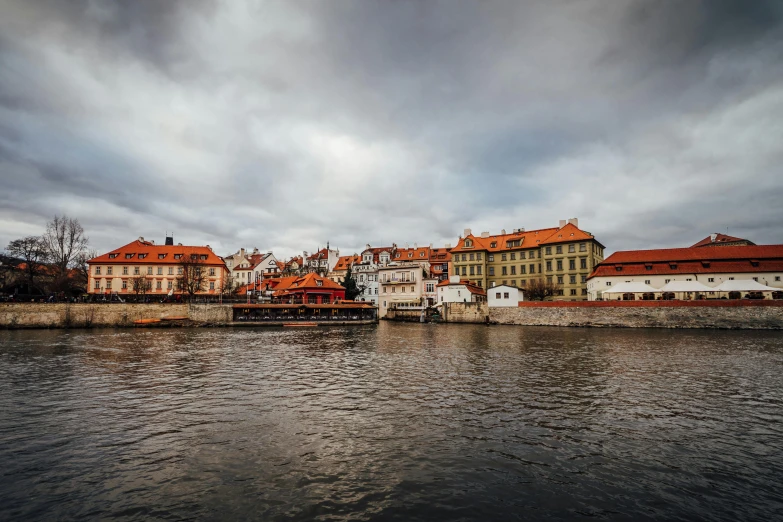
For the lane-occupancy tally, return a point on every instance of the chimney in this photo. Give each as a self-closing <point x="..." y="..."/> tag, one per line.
<point x="713" y="237"/>
<point x="152" y="241"/>
<point x="503" y="232"/>
<point x="169" y="240"/>
<point x="141" y="239"/>
<point x="485" y="234"/>
<point x="562" y="223"/>
<point x="574" y="221"/>
<point x="255" y="251"/>
<point x="242" y="252"/>
<point x="522" y="229"/>
<point x="466" y="232"/>
<point x="179" y="244"/>
<point x="448" y="245"/>
<point x="415" y="245"/>
<point x="367" y="246"/>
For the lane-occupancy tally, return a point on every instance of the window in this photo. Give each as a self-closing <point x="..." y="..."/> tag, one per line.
<point x="549" y="266"/>
<point x="97" y="285"/>
<point x="709" y="280"/>
<point x="129" y="256"/>
<point x="532" y="268"/>
<point x="112" y="256"/>
<point x="456" y="270"/>
<point x="505" y="295"/>
<point x="667" y="280"/>
<point x="560" y="280"/>
<point x="171" y="270"/>
<point x="559" y="264"/>
<point x="610" y="284"/>
<point x="464" y="270"/>
<point x="571" y="248"/>
<point x="618" y="268"/>
<point x="97" y="270"/>
<point x="572" y="279"/>
<point x="730" y="279"/>
<point x="582" y="247"/>
<point x="478" y="256"/>
<point x="124" y="284"/>
<point x="170" y="285"/>
<point x="756" y="279"/>
<point x="689" y="279"/>
<point x="490" y="257"/>
<point x="142" y="256"/>
<point x="584" y="278"/>
<point x="161" y="256"/>
<point x="211" y="285"/>
<point x="573" y="291"/>
<point x="513" y="282"/>
<point x="514" y="256"/>
<point x="109" y="270"/>
<point x="513" y="270"/>
<point x="502" y="257"/>
<point x="497" y="295"/>
<point x="583" y="263"/>
<point x="548" y="251"/>
<point x="478" y="270"/>
<point x="584" y="291"/>
<point x="159" y="285"/>
<point x="125" y="270"/>
<point x="177" y="256"/>
<point x="647" y="281"/>
<point x="468" y="243"/>
<point x="108" y="284"/>
<point x="472" y="257"/>
<point x="492" y="270"/>
<point x="522" y="283"/>
<point x="319" y="283"/>
<point x="505" y="282"/>
<point x="559" y="249"/>
<point x="160" y="270"/>
<point x="572" y="264"/>
<point x="472" y="270"/>
<point x="410" y="254"/>
<point x="430" y="287"/>
<point x="493" y="244"/>
<point x="464" y="257"/>
<point x="149" y="270"/>
<point x="179" y="270"/>
<point x="777" y="278"/>
<point x="413" y="289"/>
<point x="503" y="270"/>
<point x="522" y="269"/>
<point x="212" y="271"/>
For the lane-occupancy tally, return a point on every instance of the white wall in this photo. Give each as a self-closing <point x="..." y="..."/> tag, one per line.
<point x="597" y="285"/>
<point x="496" y="296"/>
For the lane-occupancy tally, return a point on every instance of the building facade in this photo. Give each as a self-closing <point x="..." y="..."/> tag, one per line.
<point x="565" y="255"/>
<point x="456" y="290"/>
<point x="709" y="266"/>
<point x="401" y="285"/>
<point x="504" y="296"/>
<point x="124" y="270"/>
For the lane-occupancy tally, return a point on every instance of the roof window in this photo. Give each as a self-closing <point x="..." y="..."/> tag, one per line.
<point x="177" y="256"/>
<point x="673" y="266"/>
<point x="705" y="264"/>
<point x="319" y="283"/>
<point x="112" y="256"/>
<point x="161" y="256"/>
<point x="142" y="256"/>
<point x="129" y="256"/>
<point x="203" y="257"/>
<point x="493" y="245"/>
<point x="648" y="266"/>
<point x="754" y="262"/>
<point x="618" y="268"/>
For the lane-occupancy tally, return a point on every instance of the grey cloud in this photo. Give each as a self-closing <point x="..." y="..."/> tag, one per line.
<point x="292" y="124"/>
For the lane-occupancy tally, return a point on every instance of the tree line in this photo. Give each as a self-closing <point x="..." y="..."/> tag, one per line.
<point x="55" y="261"/>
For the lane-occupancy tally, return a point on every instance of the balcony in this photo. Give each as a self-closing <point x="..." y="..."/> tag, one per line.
<point x="395" y="281"/>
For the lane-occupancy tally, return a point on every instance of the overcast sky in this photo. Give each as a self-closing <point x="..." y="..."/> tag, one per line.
<point x="283" y="125"/>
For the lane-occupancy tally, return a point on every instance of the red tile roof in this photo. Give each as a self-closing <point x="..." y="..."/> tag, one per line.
<point x="472" y="288"/>
<point x="720" y="238"/>
<point x="412" y="254"/>
<point x="727" y="259"/>
<point x="343" y="262"/>
<point x="527" y="239"/>
<point x="151" y="253"/>
<point x="306" y="282"/>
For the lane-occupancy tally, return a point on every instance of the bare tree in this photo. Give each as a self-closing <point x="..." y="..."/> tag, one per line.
<point x="539" y="289"/>
<point x="229" y="284"/>
<point x="140" y="285"/>
<point x="82" y="269"/>
<point x="31" y="250"/>
<point x="192" y="277"/>
<point x="64" y="242"/>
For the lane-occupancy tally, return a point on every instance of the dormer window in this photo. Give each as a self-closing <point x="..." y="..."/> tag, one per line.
<point x="705" y="264"/>
<point x="142" y="256"/>
<point x="648" y="266"/>
<point x="468" y="243"/>
<point x="754" y="262"/>
<point x="410" y="254"/>
<point x="319" y="283"/>
<point x="112" y="256"/>
<point x="618" y="268"/>
<point x="177" y="256"/>
<point x="673" y="266"/>
<point x="161" y="256"/>
<point x="421" y="254"/>
<point x="493" y="245"/>
<point x="203" y="257"/>
<point x="129" y="256"/>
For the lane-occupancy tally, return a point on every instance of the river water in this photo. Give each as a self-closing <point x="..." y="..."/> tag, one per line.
<point x="394" y="422"/>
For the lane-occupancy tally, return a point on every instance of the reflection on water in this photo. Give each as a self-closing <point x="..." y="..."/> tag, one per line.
<point x="399" y="421"/>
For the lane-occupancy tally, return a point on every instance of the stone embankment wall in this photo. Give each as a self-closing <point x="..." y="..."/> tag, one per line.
<point x="211" y="313"/>
<point x="645" y="314"/>
<point x="465" y="313"/>
<point x="413" y="316"/>
<point x="83" y="315"/>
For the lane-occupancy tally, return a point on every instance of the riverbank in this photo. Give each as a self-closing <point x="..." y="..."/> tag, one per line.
<point x="126" y="315"/>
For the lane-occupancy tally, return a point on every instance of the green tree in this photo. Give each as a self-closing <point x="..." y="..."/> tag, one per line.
<point x="352" y="288"/>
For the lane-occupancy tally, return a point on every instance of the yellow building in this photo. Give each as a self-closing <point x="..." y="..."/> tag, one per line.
<point x="564" y="255"/>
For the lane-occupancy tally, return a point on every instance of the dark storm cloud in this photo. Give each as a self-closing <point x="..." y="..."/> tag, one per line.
<point x="284" y="125"/>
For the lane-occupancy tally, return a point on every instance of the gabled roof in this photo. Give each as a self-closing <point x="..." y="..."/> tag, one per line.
<point x="343" y="262"/>
<point x="719" y="239"/>
<point x="309" y="281"/>
<point x="321" y="254"/>
<point x="570" y="232"/>
<point x="145" y="252"/>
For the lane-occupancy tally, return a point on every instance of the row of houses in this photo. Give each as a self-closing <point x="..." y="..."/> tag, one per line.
<point x="566" y="257"/>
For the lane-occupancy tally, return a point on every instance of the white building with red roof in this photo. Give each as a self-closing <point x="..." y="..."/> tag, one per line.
<point x="709" y="266"/>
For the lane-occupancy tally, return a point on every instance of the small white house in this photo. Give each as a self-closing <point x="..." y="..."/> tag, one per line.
<point x="504" y="295"/>
<point x="455" y="290"/>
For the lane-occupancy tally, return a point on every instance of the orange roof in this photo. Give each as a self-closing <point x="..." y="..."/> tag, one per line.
<point x="343" y="262"/>
<point x="309" y="281"/>
<point x="726" y="259"/>
<point x="147" y="253"/>
<point x="412" y="254"/>
<point x="321" y="254"/>
<point x="527" y="239"/>
<point x="474" y="289"/>
<point x="720" y="238"/>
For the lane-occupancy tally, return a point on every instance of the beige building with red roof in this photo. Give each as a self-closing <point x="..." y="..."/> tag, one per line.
<point x="565" y="255"/>
<point x="161" y="266"/>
